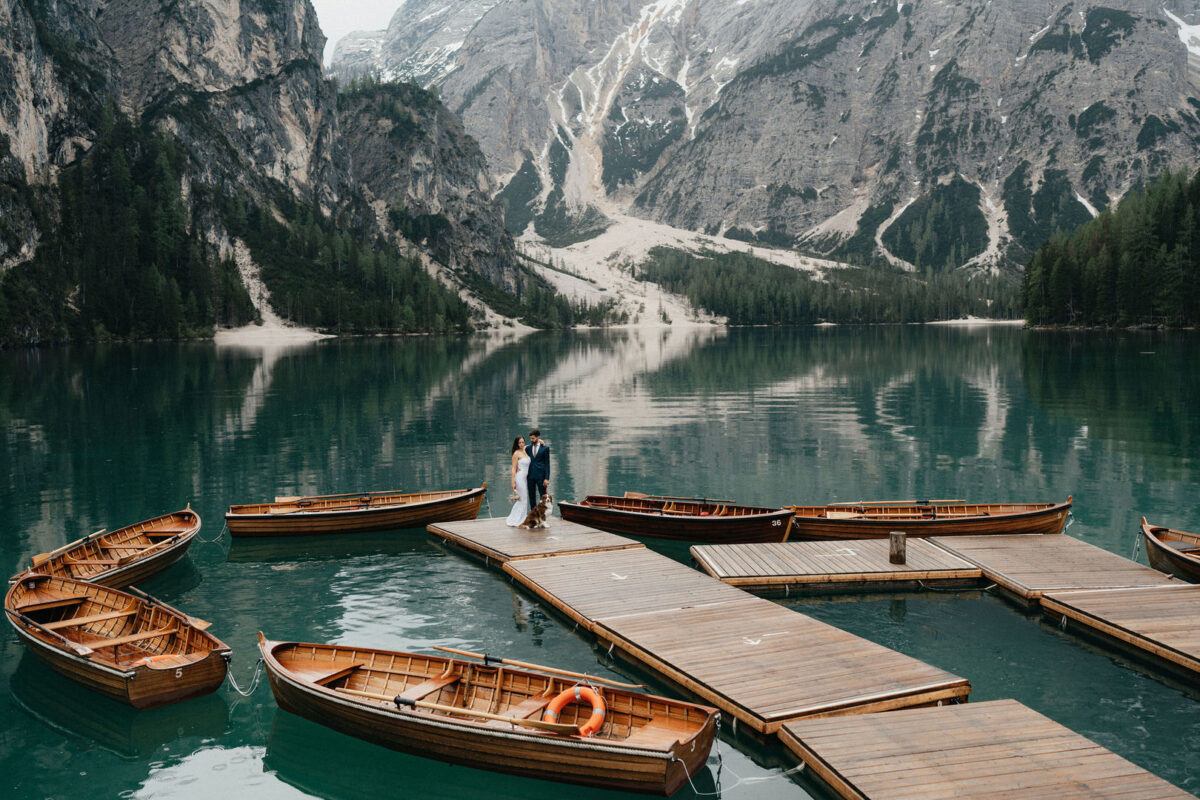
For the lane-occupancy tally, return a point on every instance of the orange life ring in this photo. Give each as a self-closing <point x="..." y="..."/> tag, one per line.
<point x="577" y="694"/>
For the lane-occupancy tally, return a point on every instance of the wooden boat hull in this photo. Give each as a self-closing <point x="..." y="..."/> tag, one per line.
<point x="1173" y="552"/>
<point x="453" y="506"/>
<point x="173" y="672"/>
<point x="809" y="522"/>
<point x="491" y="746"/>
<point x="144" y="687"/>
<point x="764" y="525"/>
<point x="166" y="540"/>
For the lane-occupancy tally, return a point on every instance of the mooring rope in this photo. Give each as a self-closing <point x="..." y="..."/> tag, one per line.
<point x="1137" y="545"/>
<point x="216" y="538"/>
<point x="739" y="779"/>
<point x="258" y="671"/>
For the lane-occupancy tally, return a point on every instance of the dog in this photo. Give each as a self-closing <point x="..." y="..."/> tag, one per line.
<point x="536" y="518"/>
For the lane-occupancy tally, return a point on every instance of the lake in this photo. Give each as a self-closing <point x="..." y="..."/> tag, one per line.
<point x="104" y="436"/>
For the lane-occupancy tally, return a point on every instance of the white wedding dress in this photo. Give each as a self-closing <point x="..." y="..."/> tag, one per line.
<point x="520" y="509"/>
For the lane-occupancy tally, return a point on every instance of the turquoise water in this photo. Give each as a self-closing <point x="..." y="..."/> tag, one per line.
<point x="105" y="436"/>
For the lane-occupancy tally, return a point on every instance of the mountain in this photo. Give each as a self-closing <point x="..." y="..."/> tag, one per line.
<point x="928" y="135"/>
<point x="214" y="124"/>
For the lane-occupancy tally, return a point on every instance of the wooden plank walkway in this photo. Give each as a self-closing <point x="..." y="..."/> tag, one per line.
<point x="997" y="749"/>
<point x="1029" y="565"/>
<point x="595" y="586"/>
<point x="828" y="566"/>
<point x="1158" y="622"/>
<point x="493" y="540"/>
<point x="755" y="660"/>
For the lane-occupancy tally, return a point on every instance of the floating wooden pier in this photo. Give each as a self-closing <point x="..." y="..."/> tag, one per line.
<point x="1157" y="623"/>
<point x="997" y="749"/>
<point x="759" y="662"/>
<point x="1026" y="566"/>
<point x="829" y="566"/>
<point x="493" y="540"/>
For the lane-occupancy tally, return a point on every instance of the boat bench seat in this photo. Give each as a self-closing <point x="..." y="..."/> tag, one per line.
<point x="651" y="735"/>
<point x="162" y="534"/>
<point x="131" y="638"/>
<point x="1182" y="547"/>
<point x="428" y="687"/>
<point x="329" y="677"/>
<point x="74" y="622"/>
<point x="57" y="602"/>
<point x="528" y="707"/>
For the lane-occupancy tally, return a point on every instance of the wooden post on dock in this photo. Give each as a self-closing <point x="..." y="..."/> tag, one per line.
<point x="897" y="549"/>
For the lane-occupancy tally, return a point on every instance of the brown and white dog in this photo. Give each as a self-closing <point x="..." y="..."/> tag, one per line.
<point x="538" y="514"/>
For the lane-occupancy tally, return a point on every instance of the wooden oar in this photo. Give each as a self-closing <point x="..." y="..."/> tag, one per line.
<point x="552" y="727"/>
<point x="486" y="659"/>
<point x="641" y="496"/>
<point x="894" y="502"/>
<point x="42" y="558"/>
<point x="76" y="647"/>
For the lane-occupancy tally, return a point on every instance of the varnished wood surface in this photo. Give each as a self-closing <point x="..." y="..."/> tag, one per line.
<point x="998" y="749"/>
<point x="353" y="513"/>
<point x="1171" y="551"/>
<point x="1159" y="621"/>
<point x="752" y="658"/>
<point x="766" y="664"/>
<point x="647" y="743"/>
<point x="829" y="565"/>
<point x="680" y="519"/>
<point x="876" y="521"/>
<point x="127" y="555"/>
<point x="121" y="645"/>
<point x="1028" y="566"/>
<point x="492" y="539"/>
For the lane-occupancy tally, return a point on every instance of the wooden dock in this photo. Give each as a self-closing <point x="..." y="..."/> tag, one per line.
<point x="997" y="749"/>
<point x="829" y="566"/>
<point x="1158" y="623"/>
<point x="760" y="663"/>
<point x="1026" y="566"/>
<point x="493" y="540"/>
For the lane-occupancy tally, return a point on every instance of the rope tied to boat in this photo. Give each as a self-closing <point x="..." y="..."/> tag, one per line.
<point x="216" y="538"/>
<point x="1070" y="520"/>
<point x="719" y="789"/>
<point x="258" y="673"/>
<point x="1137" y="546"/>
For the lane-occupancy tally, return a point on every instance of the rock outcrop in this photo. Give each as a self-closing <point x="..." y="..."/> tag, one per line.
<point x="845" y="127"/>
<point x="239" y="85"/>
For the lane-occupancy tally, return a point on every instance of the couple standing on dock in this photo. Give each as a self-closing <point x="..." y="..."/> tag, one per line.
<point x="530" y="474"/>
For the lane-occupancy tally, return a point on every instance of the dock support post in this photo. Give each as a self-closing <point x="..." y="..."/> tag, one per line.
<point x="897" y="549"/>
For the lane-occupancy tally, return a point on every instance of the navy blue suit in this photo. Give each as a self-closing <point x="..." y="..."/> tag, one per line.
<point x="539" y="470"/>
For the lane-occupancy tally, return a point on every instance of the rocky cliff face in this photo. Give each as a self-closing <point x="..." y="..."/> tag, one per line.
<point x="927" y="134"/>
<point x="425" y="178"/>
<point x="239" y="85"/>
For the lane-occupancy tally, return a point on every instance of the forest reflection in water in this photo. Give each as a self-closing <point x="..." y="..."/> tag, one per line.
<point x="103" y="436"/>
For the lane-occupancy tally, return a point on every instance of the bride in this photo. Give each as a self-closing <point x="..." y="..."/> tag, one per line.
<point x="520" y="471"/>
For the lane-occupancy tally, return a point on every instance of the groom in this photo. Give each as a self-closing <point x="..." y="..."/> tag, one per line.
<point x="539" y="466"/>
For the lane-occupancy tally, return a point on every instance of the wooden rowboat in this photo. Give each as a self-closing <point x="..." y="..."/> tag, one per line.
<point x="125" y="556"/>
<point x="687" y="519"/>
<point x="478" y="715"/>
<point x="353" y="513"/>
<point x="1173" y="552"/>
<point x="933" y="518"/>
<point x="129" y="647"/>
